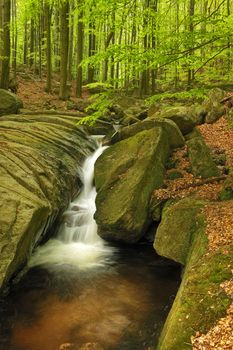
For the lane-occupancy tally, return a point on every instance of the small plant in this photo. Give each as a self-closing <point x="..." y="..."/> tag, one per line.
<point x="98" y="108"/>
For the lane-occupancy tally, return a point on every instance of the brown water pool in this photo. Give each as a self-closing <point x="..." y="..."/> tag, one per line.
<point x="121" y="306"/>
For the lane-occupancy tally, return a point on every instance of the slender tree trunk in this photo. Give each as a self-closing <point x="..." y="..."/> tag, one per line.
<point x="6" y="51"/>
<point x="57" y="40"/>
<point x="154" y="71"/>
<point x="14" y="38"/>
<point x="191" y="30"/>
<point x="25" y="44"/>
<point x="1" y="33"/>
<point x="32" y="43"/>
<point x="144" y="88"/>
<point x="48" y="14"/>
<point x="91" y="50"/>
<point x="64" y="16"/>
<point x="80" y="34"/>
<point x="71" y="42"/>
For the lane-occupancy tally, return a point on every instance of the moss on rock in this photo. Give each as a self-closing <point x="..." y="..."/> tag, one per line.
<point x="200" y="301"/>
<point x="125" y="176"/>
<point x="39" y="156"/>
<point x="175" y="137"/>
<point x="182" y="116"/>
<point x="174" y="234"/>
<point x="9" y="102"/>
<point x="201" y="159"/>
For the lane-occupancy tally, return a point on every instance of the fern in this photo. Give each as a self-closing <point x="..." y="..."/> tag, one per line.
<point x="100" y="105"/>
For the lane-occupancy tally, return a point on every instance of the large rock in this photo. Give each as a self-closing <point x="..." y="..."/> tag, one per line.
<point x="175" y="137"/>
<point x="200" y="158"/>
<point x="9" y="102"/>
<point x="125" y="175"/>
<point x="214" y="108"/>
<point x="182" y="116"/>
<point x="200" y="301"/>
<point x="39" y="156"/>
<point x="174" y="234"/>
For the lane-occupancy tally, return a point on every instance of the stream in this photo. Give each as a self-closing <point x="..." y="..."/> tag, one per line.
<point x="80" y="293"/>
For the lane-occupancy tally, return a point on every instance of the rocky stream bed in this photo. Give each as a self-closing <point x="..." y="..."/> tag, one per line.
<point x="166" y="180"/>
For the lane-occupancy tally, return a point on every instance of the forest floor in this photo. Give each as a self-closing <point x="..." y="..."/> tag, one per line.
<point x="32" y="93"/>
<point x="219" y="136"/>
<point x="220" y="233"/>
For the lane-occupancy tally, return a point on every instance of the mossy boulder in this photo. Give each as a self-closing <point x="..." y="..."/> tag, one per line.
<point x="9" y="102"/>
<point x="125" y="176"/>
<point x="227" y="190"/>
<point x="214" y="108"/>
<point x="182" y="116"/>
<point x="174" y="235"/>
<point x="174" y="135"/>
<point x="39" y="156"/>
<point x="194" y="133"/>
<point x="200" y="301"/>
<point x="201" y="159"/>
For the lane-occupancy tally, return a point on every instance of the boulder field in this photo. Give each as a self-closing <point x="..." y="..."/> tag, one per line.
<point x="125" y="176"/>
<point x="39" y="159"/>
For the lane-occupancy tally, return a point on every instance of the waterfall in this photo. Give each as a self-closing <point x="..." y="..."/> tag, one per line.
<point x="77" y="242"/>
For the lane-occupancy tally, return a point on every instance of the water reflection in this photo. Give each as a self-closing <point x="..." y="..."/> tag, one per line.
<point x="119" y="307"/>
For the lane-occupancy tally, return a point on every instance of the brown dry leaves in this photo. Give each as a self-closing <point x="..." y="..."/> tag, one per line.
<point x="219" y="224"/>
<point x="220" y="337"/>
<point x="188" y="184"/>
<point x="220" y="233"/>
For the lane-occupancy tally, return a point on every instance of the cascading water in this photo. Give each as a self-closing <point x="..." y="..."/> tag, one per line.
<point x="77" y="242"/>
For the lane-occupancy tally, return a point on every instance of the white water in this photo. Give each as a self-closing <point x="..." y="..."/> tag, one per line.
<point x="77" y="242"/>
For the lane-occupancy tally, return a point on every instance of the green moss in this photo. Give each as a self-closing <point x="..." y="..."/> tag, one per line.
<point x="200" y="159"/>
<point x="200" y="301"/>
<point x="174" y="234"/>
<point x="125" y="175"/>
<point x="172" y="175"/>
<point x="194" y="133"/>
<point x="227" y="191"/>
<point x="171" y="163"/>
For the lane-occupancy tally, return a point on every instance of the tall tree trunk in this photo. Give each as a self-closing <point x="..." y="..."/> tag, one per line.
<point x="48" y="14"/>
<point x="144" y="88"/>
<point x="191" y="30"/>
<point x="91" y="50"/>
<point x="64" y="16"/>
<point x="57" y="39"/>
<point x="14" y="38"/>
<point x="1" y="33"/>
<point x="32" y="42"/>
<point x="25" y="43"/>
<point x="71" y="42"/>
<point x="154" y="71"/>
<point x="80" y="35"/>
<point x="6" y="51"/>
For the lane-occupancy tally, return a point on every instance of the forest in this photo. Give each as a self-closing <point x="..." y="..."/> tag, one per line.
<point x="138" y="46"/>
<point x="116" y="174"/>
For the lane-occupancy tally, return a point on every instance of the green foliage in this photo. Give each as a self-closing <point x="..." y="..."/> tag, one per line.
<point x="98" y="108"/>
<point x="199" y="94"/>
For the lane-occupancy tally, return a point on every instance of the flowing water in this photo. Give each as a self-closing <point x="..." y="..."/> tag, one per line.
<point x="82" y="294"/>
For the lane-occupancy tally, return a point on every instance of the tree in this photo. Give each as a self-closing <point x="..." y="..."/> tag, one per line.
<point x="6" y="47"/>
<point x="64" y="44"/>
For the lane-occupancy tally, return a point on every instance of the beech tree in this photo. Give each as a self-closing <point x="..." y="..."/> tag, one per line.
<point x="136" y="45"/>
<point x="5" y="14"/>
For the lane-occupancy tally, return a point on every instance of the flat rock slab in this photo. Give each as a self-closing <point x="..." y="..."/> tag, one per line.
<point x="39" y="159"/>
